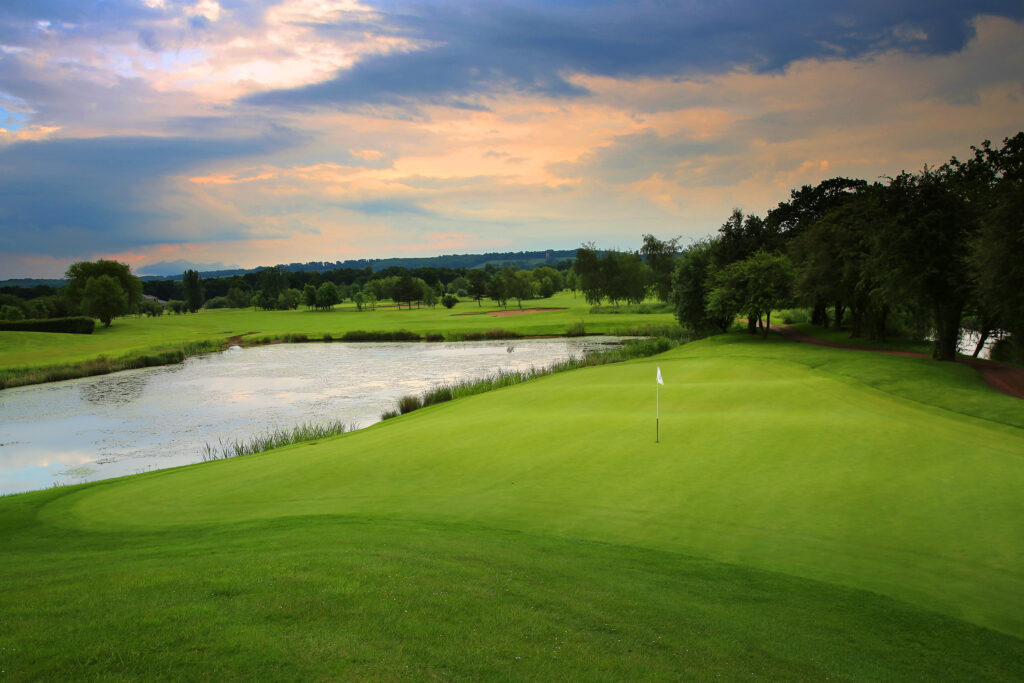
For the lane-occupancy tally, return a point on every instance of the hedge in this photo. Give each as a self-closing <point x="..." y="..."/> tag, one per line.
<point x="76" y="325"/>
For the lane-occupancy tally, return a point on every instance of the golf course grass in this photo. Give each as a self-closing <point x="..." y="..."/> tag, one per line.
<point x="809" y="513"/>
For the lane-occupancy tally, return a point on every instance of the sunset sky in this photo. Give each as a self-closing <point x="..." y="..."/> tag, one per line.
<point x="269" y="131"/>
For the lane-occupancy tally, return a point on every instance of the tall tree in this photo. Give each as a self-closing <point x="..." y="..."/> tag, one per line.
<point x="691" y="284"/>
<point x="997" y="249"/>
<point x="660" y="256"/>
<point x="477" y="284"/>
<point x="588" y="269"/>
<point x="192" y="286"/>
<point x="925" y="249"/>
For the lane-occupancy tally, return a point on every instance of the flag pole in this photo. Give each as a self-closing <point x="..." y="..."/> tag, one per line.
<point x="657" y="410"/>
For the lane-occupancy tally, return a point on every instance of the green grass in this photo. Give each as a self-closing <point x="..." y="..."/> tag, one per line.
<point x="810" y="513"/>
<point x="31" y="357"/>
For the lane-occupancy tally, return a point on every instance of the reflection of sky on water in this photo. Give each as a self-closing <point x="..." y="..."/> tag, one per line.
<point x="133" y="421"/>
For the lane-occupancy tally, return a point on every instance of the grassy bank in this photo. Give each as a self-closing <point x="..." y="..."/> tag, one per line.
<point x="33" y="357"/>
<point x="809" y="513"/>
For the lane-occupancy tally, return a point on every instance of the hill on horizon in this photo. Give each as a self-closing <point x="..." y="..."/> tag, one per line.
<point x="173" y="270"/>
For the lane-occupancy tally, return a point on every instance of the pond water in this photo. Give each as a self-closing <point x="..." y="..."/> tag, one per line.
<point x="152" y="418"/>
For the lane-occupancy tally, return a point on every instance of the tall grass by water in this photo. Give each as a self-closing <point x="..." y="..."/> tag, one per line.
<point x="275" y="438"/>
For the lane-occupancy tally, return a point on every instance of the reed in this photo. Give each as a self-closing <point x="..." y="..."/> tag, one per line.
<point x="275" y="438"/>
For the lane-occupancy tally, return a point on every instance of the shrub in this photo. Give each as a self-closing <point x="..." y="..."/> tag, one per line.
<point x="430" y="337"/>
<point x="790" y="316"/>
<point x="328" y="337"/>
<point x="576" y="330"/>
<point x="449" y="300"/>
<point x="11" y="313"/>
<point x="379" y="336"/>
<point x="438" y="394"/>
<point x="75" y="325"/>
<point x="408" y="403"/>
<point x="217" y="302"/>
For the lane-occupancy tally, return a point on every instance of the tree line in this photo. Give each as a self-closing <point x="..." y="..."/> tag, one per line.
<point x="939" y="250"/>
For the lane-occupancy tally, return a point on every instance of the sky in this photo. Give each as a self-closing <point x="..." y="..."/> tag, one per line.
<point x="256" y="132"/>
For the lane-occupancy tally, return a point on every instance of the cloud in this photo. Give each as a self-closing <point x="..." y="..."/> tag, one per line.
<point x="461" y="52"/>
<point x="73" y="196"/>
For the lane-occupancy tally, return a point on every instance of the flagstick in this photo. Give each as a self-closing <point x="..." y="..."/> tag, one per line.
<point x="657" y="410"/>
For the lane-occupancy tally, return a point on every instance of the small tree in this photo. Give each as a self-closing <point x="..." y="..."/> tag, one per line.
<point x="104" y="298"/>
<point x="449" y="300"/>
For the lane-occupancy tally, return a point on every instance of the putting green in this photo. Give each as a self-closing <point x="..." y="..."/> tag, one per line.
<point x="811" y="462"/>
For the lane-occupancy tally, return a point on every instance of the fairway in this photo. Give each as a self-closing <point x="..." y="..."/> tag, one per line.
<point x="809" y="512"/>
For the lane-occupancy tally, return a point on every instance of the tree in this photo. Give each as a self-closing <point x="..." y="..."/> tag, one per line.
<point x="572" y="281"/>
<point x="78" y="276"/>
<point x="192" y="285"/>
<point x="273" y="281"/>
<point x="497" y="290"/>
<point x="104" y="298"/>
<point x="996" y="251"/>
<point x="548" y="280"/>
<point x="478" y="280"/>
<point x="753" y="286"/>
<point x="518" y="284"/>
<point x="588" y="269"/>
<point x="428" y="294"/>
<point x="449" y="300"/>
<point x="327" y="295"/>
<point x="9" y="312"/>
<point x="923" y="251"/>
<point x="805" y="208"/>
<point x="238" y="297"/>
<point x="407" y="290"/>
<point x="309" y="295"/>
<point x="691" y="284"/>
<point x="660" y="258"/>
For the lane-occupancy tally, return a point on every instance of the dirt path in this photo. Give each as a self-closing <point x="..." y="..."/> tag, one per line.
<point x="1004" y="378"/>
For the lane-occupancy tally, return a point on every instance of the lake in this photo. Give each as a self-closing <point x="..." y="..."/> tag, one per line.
<point x="134" y="421"/>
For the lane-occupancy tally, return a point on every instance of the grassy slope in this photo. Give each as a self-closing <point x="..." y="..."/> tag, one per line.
<point x="867" y="535"/>
<point x="128" y="335"/>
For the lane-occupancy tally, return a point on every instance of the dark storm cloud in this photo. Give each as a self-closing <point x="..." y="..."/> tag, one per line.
<point x="66" y="196"/>
<point x="473" y="49"/>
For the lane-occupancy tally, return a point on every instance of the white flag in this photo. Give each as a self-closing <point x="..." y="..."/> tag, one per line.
<point x="660" y="380"/>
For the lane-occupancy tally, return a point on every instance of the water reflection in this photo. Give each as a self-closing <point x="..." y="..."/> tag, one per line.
<point x="114" y="390"/>
<point x="100" y="427"/>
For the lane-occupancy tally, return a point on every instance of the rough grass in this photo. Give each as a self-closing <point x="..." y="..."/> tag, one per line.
<point x="810" y="513"/>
